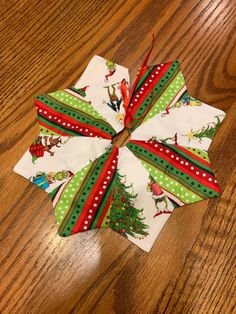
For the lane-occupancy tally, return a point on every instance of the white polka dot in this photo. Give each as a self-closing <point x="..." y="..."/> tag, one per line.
<point x="210" y="179"/>
<point x="95" y="205"/>
<point x="197" y="172"/>
<point x="85" y="227"/>
<point x="86" y="222"/>
<point x="204" y="174"/>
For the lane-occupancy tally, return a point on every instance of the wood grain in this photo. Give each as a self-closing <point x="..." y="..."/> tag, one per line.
<point x="45" y="45"/>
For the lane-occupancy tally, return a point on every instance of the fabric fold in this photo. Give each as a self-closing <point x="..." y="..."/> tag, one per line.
<point x="184" y="173"/>
<point x="190" y="122"/>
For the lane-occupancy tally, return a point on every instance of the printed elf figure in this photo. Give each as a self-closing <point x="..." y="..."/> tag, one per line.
<point x="114" y="101"/>
<point x="159" y="197"/>
<point x="43" y="180"/>
<point x="111" y="68"/>
<point x="81" y="91"/>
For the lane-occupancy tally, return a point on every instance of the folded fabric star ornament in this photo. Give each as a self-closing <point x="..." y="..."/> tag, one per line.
<point x="120" y="157"/>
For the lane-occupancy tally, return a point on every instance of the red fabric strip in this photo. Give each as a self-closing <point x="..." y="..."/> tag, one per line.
<point x="147" y="87"/>
<point x="98" y="186"/>
<point x="166" y="154"/>
<point x="69" y="123"/>
<point x="105" y="210"/>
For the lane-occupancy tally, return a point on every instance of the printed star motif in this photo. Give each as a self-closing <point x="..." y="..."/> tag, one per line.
<point x="190" y="135"/>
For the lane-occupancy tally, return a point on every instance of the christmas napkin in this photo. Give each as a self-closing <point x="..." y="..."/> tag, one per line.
<point x="120" y="157"/>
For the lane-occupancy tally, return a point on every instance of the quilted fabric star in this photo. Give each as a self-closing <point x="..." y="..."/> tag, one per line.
<point x="124" y="160"/>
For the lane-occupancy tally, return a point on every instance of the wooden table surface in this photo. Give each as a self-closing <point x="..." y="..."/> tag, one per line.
<point x="45" y="46"/>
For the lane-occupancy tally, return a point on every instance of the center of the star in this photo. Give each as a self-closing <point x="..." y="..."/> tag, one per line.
<point x="121" y="138"/>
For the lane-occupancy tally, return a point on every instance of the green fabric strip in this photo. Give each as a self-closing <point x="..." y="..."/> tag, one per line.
<point x="172" y="186"/>
<point x="144" y="77"/>
<point x="65" y="201"/>
<point x="82" y="192"/>
<point x="58" y="127"/>
<point x="161" y="95"/>
<point x="76" y="114"/>
<point x="76" y="103"/>
<point x="103" y="203"/>
<point x="46" y="131"/>
<point x="166" y="167"/>
<point x="188" y="158"/>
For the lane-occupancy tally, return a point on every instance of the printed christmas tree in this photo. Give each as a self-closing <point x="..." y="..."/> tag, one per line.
<point x="205" y="132"/>
<point x="124" y="217"/>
